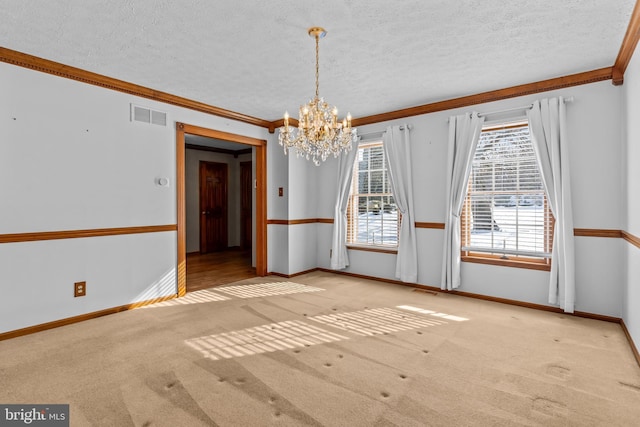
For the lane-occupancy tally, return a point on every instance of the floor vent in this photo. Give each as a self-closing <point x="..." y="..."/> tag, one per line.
<point x="147" y="115"/>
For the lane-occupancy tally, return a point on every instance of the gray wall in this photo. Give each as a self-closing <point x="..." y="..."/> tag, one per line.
<point x="75" y="161"/>
<point x="596" y="141"/>
<point x="631" y="309"/>
<point x="71" y="159"/>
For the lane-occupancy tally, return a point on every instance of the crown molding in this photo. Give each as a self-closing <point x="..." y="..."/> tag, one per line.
<point x="610" y="73"/>
<point x="628" y="46"/>
<point x="494" y="95"/>
<point x="481" y="98"/>
<point x="280" y="122"/>
<point x="50" y="67"/>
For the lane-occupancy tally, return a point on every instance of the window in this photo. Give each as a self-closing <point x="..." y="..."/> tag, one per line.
<point x="505" y="214"/>
<point x="372" y="214"/>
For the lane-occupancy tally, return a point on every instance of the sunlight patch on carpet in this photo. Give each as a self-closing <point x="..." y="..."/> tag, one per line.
<point x="197" y="297"/>
<point x="433" y="313"/>
<point x="266" y="289"/>
<point x="262" y="339"/>
<point x="377" y="321"/>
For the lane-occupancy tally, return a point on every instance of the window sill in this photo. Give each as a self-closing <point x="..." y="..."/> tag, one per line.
<point x="531" y="264"/>
<point x="370" y="248"/>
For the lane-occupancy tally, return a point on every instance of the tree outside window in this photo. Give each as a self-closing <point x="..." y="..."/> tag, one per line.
<point x="372" y="214"/>
<point x="506" y="212"/>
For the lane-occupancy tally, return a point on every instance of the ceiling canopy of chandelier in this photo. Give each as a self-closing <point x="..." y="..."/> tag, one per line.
<point x="319" y="131"/>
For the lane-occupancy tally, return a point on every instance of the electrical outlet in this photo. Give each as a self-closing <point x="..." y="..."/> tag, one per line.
<point x="79" y="289"/>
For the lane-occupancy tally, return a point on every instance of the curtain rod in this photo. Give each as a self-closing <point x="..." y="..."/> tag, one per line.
<point x="526" y="107"/>
<point x="374" y="135"/>
<point x="491" y="113"/>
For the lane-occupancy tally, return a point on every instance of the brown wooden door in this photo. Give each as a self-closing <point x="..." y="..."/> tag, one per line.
<point x="246" y="203"/>
<point x="213" y="207"/>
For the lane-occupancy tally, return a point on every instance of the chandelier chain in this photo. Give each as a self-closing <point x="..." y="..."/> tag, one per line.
<point x="317" y="66"/>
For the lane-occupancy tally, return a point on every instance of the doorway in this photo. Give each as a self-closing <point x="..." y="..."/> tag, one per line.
<point x="258" y="219"/>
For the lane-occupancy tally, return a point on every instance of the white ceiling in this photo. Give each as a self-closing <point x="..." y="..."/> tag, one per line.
<point x="255" y="57"/>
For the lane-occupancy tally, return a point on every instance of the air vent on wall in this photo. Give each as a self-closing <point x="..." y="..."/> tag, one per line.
<point x="147" y="115"/>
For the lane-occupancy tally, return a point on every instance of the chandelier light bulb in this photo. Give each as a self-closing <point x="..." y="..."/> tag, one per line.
<point x="319" y="132"/>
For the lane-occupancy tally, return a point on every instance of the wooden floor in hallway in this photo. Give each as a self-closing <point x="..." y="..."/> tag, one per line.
<point x="218" y="268"/>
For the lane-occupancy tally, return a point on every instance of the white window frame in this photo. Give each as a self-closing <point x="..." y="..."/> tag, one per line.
<point x="358" y="215"/>
<point x="493" y="253"/>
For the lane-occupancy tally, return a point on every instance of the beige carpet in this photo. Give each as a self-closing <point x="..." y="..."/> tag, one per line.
<point x="328" y="350"/>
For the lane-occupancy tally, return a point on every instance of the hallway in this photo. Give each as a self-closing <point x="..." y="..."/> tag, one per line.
<point x="218" y="268"/>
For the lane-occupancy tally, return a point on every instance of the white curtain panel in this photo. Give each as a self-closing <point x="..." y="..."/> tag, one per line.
<point x="547" y="123"/>
<point x="397" y="147"/>
<point x="339" y="256"/>
<point x="464" y="132"/>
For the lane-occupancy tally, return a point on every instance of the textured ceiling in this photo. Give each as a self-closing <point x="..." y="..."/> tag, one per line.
<point x="255" y="57"/>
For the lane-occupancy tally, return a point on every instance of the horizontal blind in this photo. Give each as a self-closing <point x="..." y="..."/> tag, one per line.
<point x="506" y="211"/>
<point x="372" y="213"/>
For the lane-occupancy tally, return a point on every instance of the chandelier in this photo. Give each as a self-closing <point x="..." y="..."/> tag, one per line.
<point x="319" y="131"/>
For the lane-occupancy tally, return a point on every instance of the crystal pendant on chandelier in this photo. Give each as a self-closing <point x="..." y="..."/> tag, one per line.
<point x="319" y="133"/>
